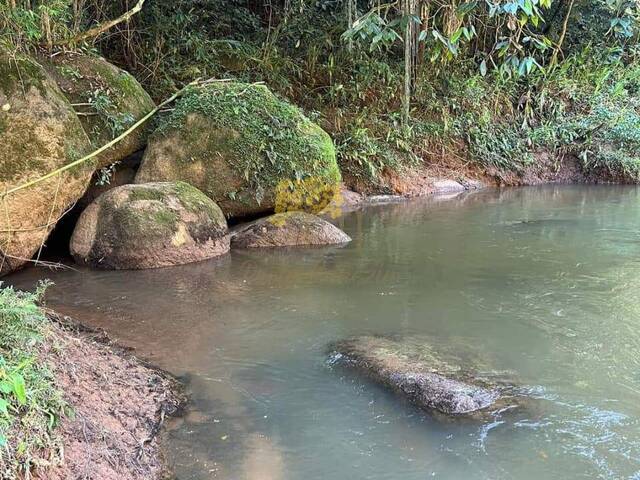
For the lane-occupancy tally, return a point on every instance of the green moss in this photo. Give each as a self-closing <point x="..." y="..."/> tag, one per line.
<point x="196" y="201"/>
<point x="142" y="193"/>
<point x="134" y="223"/>
<point x="164" y="218"/>
<point x="273" y="140"/>
<point x="23" y="153"/>
<point x="19" y="73"/>
<point x="124" y="84"/>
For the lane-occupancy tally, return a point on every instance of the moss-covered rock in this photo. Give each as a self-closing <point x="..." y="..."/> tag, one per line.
<point x="288" y="229"/>
<point x="39" y="132"/>
<point x="241" y="145"/>
<point x="108" y="99"/>
<point x="149" y="225"/>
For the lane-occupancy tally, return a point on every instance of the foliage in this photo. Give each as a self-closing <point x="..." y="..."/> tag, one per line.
<point x="30" y="23"/>
<point x="115" y="120"/>
<point x="30" y="402"/>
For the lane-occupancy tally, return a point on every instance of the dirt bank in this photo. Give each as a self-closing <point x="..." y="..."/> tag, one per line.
<point x="441" y="174"/>
<point x="119" y="405"/>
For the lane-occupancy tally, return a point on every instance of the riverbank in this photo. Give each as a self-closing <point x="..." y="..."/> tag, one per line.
<point x="83" y="407"/>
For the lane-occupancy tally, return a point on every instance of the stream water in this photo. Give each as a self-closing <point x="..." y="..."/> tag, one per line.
<point x="545" y="282"/>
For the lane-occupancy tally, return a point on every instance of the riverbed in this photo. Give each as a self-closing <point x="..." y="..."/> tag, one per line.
<point x="540" y="282"/>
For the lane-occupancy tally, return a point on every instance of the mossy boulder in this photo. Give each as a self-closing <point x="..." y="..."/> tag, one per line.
<point x="244" y="147"/>
<point x="288" y="229"/>
<point x="39" y="133"/>
<point x="149" y="225"/>
<point x="108" y="100"/>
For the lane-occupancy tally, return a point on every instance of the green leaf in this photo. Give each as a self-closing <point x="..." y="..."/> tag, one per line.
<point x="19" y="388"/>
<point x="456" y="36"/>
<point x="483" y="68"/>
<point x="4" y="407"/>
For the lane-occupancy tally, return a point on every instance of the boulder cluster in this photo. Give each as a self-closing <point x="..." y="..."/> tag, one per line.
<point x="163" y="194"/>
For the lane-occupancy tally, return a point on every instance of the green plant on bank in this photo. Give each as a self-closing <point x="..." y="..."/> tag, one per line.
<point x="30" y="402"/>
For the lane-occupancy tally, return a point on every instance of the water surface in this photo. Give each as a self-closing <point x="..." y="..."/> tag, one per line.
<point x="543" y="282"/>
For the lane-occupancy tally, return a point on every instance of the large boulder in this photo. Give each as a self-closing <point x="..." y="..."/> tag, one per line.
<point x="39" y="133"/>
<point x="414" y="371"/>
<point x="288" y="229"/>
<point x="245" y="148"/>
<point x="148" y="226"/>
<point x="108" y="101"/>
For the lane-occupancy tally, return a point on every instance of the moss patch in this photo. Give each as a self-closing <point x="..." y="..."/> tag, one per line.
<point x="196" y="201"/>
<point x="20" y="73"/>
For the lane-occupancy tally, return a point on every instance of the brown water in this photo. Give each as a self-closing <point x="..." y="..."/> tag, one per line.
<point x="542" y="282"/>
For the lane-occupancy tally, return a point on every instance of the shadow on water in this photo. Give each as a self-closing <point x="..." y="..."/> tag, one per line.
<point x="539" y="282"/>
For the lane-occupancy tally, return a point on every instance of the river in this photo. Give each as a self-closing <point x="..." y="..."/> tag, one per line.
<point x="544" y="282"/>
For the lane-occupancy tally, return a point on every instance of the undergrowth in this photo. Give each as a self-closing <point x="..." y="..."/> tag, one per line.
<point x="30" y="401"/>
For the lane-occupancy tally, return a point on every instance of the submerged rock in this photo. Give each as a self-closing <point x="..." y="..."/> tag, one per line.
<point x="446" y="185"/>
<point x="149" y="225"/>
<point x="288" y="229"/>
<point x="40" y="133"/>
<point x="243" y="147"/>
<point x="417" y="374"/>
<point x="108" y="99"/>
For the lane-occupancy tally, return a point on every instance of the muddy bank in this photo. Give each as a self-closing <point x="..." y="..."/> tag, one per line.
<point x="119" y="406"/>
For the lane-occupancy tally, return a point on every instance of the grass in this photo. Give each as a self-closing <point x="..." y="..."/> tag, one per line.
<point x="30" y="402"/>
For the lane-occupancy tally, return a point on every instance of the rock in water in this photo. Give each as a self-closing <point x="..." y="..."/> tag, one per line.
<point x="40" y="133"/>
<point x="288" y="229"/>
<point x="110" y="101"/>
<point x="149" y="225"/>
<point x="245" y="148"/>
<point x="415" y="374"/>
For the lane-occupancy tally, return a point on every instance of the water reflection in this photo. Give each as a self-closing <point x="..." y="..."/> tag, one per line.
<point x="538" y="282"/>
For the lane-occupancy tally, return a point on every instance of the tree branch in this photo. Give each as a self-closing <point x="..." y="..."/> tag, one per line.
<point x="563" y="33"/>
<point x="111" y="143"/>
<point x="103" y="27"/>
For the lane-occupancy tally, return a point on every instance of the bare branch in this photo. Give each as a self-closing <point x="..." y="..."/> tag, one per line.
<point x="103" y="27"/>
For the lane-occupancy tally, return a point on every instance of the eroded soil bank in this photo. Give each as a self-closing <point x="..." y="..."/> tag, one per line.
<point x="119" y="405"/>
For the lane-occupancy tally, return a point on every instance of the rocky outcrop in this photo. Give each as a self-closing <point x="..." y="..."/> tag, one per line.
<point x="108" y="100"/>
<point x="40" y="133"/>
<point x="288" y="229"/>
<point x="148" y="226"/>
<point x="245" y="148"/>
<point x="416" y="373"/>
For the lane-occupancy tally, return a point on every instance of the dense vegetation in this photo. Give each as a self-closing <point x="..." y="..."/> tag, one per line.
<point x="30" y="401"/>
<point x="496" y="84"/>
